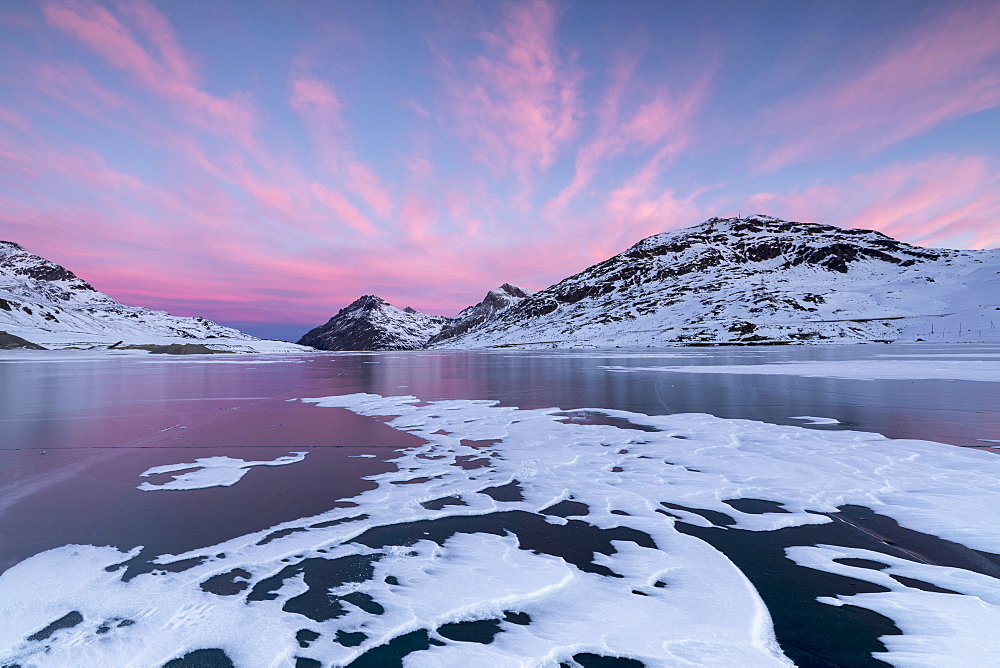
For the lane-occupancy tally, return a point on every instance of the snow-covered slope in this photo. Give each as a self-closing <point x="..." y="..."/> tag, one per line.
<point x="372" y="323"/>
<point x="757" y="280"/>
<point x="49" y="305"/>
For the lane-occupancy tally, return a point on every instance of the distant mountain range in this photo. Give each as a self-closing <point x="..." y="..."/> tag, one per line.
<point x="738" y="281"/>
<point x="48" y="305"/>
<point x="729" y="281"/>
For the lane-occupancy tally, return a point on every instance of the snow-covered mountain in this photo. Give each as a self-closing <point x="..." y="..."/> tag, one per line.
<point x="495" y="302"/>
<point x="371" y="323"/>
<point x="47" y="304"/>
<point x="756" y="280"/>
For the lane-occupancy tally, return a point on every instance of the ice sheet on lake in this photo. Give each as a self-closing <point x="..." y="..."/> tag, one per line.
<point x="210" y="472"/>
<point x="637" y="588"/>
<point x="976" y="353"/>
<point x="868" y="369"/>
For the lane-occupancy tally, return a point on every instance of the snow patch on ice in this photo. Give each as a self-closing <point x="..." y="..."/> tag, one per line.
<point x="648" y="592"/>
<point x="210" y="472"/>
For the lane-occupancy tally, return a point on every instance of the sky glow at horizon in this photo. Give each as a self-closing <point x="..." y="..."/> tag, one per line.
<point x="270" y="162"/>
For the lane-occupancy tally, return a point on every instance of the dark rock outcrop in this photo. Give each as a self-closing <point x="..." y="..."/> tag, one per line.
<point x="11" y="342"/>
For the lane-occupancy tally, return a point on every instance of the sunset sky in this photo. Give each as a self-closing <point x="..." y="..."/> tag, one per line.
<point x="265" y="163"/>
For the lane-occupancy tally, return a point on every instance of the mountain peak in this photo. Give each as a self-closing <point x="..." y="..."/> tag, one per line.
<point x="775" y="242"/>
<point x="372" y="323"/>
<point x="366" y="303"/>
<point x="512" y="290"/>
<point x="10" y="245"/>
<point x="755" y="218"/>
<point x="496" y="302"/>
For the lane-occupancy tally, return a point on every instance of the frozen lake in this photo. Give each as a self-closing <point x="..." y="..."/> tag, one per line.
<point x="703" y="506"/>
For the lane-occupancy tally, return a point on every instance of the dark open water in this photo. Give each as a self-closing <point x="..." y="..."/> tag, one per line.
<point x="76" y="434"/>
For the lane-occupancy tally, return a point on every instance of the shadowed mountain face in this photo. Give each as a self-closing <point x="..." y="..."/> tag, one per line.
<point x="11" y="342"/>
<point x="371" y="323"/>
<point x="496" y="302"/>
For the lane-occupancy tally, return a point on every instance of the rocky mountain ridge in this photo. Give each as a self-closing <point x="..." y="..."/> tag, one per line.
<point x="758" y="279"/>
<point x="742" y="281"/>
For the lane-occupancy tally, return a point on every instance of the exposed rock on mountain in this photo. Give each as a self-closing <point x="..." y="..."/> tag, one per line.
<point x="48" y="304"/>
<point x="371" y="323"/>
<point x="758" y="280"/>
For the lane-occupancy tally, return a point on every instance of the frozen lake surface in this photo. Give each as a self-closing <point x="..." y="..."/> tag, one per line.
<point x="820" y="506"/>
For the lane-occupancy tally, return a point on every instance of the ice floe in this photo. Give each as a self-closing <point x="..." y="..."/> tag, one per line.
<point x="210" y="472"/>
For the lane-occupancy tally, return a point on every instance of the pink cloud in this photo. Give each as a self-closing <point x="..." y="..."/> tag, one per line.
<point x="949" y="200"/>
<point x="418" y="217"/>
<point x="316" y="102"/>
<point x="420" y="169"/>
<point x="163" y="69"/>
<point x="517" y="103"/>
<point x="641" y="207"/>
<point x="13" y="119"/>
<point x="662" y="121"/>
<point x="78" y="166"/>
<point x="75" y="88"/>
<point x="944" y="69"/>
<point x="320" y="109"/>
<point x="362" y="181"/>
<point x="343" y="209"/>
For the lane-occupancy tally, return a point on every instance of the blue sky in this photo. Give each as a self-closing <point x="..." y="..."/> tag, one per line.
<point x="268" y="163"/>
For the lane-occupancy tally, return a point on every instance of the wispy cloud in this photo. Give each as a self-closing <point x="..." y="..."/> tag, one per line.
<point x="517" y="102"/>
<point x="946" y="68"/>
<point x="342" y="208"/>
<point x="947" y="200"/>
<point x="318" y="106"/>
<point x="139" y="41"/>
<point x="635" y="114"/>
